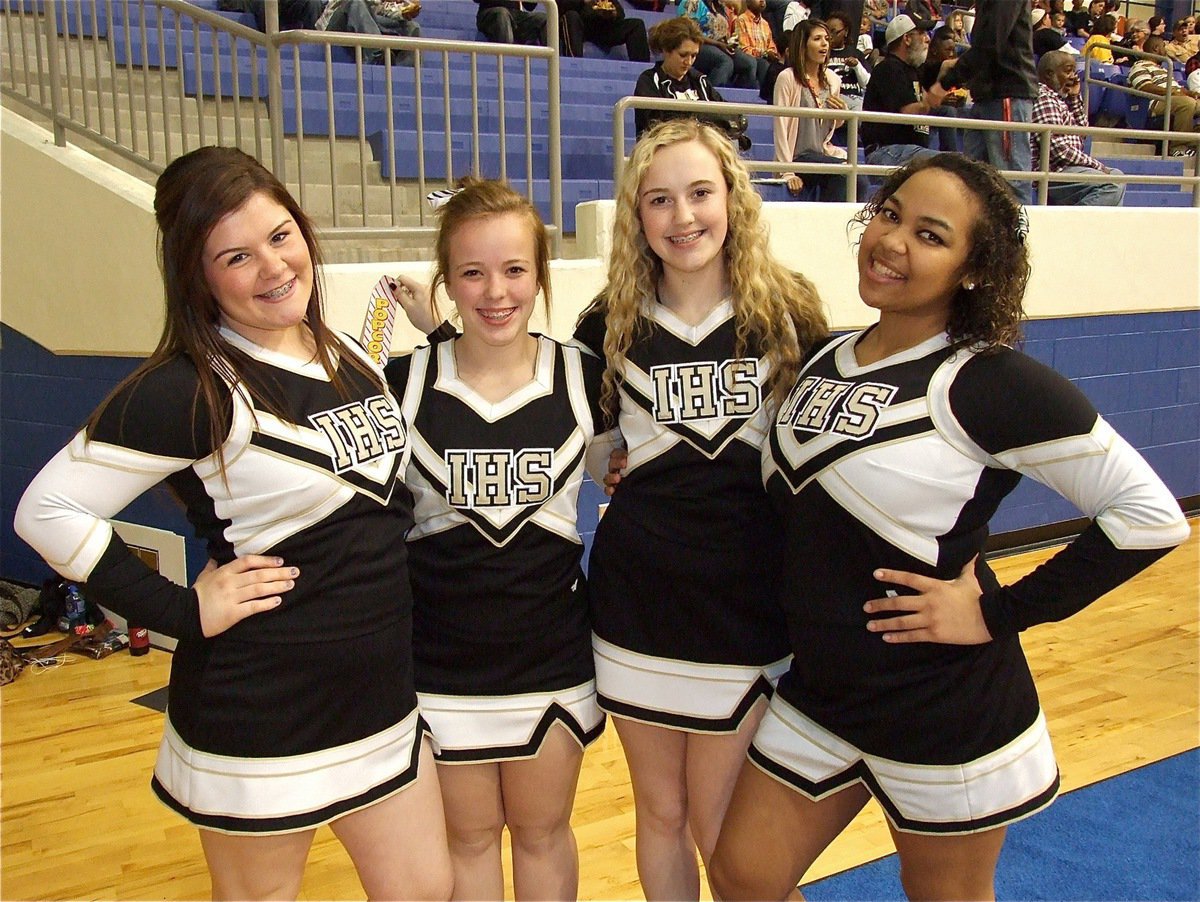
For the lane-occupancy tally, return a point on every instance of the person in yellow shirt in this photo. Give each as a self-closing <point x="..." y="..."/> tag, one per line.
<point x="1102" y="30"/>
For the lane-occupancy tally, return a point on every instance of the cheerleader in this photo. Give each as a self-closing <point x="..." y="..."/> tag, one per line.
<point x="886" y="461"/>
<point x="697" y="325"/>
<point x="501" y="424"/>
<point x="291" y="701"/>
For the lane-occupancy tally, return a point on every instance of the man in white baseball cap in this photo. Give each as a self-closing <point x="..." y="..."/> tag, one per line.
<point x="895" y="87"/>
<point x="902" y="25"/>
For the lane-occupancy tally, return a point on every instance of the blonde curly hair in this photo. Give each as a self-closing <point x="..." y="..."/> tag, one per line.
<point x="778" y="307"/>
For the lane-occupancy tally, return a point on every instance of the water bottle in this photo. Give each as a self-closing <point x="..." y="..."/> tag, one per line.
<point x="76" y="611"/>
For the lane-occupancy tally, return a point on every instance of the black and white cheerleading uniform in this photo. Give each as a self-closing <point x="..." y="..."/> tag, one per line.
<point x="900" y="464"/>
<point x="501" y="633"/>
<point x="295" y="716"/>
<point x="686" y="557"/>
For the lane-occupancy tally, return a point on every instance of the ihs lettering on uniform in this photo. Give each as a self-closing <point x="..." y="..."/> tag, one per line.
<point x="495" y="553"/>
<point x="500" y="466"/>
<point x="852" y="457"/>
<point x="325" y="474"/>
<point x="361" y="431"/>
<point x="696" y="540"/>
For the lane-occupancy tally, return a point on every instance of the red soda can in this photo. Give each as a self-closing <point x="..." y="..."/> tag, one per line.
<point x="139" y="640"/>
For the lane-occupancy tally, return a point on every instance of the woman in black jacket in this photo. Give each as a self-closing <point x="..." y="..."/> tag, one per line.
<point x="679" y="40"/>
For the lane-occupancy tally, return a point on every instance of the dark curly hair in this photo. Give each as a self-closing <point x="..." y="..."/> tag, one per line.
<point x="990" y="315"/>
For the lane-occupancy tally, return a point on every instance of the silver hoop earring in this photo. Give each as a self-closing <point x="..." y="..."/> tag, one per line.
<point x="970" y="286"/>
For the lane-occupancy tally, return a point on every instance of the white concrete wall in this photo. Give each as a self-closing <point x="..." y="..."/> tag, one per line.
<point x="77" y="257"/>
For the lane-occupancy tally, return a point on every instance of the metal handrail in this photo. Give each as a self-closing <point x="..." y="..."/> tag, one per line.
<point x="851" y="169"/>
<point x="274" y="44"/>
<point x="1088" y="81"/>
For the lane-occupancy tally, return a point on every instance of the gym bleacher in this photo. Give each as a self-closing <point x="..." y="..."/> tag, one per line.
<point x="588" y="89"/>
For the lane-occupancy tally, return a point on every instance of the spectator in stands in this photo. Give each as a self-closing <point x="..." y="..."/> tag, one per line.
<point x="292" y="13"/>
<point x="1081" y="19"/>
<point x="1179" y="48"/>
<point x="1136" y="33"/>
<point x="603" y="22"/>
<point x="511" y="22"/>
<point x="895" y="87"/>
<point x="853" y="9"/>
<point x="1045" y="36"/>
<point x="807" y="83"/>
<point x="719" y="58"/>
<point x="866" y="42"/>
<point x="795" y="13"/>
<point x="845" y="60"/>
<point x="943" y="51"/>
<point x="1158" y="26"/>
<point x="998" y="70"/>
<point x="957" y="23"/>
<point x="927" y="10"/>
<point x="1149" y="76"/>
<point x="1192" y="71"/>
<point x="754" y="37"/>
<point x="877" y="11"/>
<point x="678" y="40"/>
<point x="775" y="12"/>
<point x="1059" y="103"/>
<point x="1193" y="39"/>
<point x="1102" y="31"/>
<point x="373" y="17"/>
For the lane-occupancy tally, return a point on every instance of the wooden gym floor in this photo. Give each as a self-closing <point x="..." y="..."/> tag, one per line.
<point x="1119" y="683"/>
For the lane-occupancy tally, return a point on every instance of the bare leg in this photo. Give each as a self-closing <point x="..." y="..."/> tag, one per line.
<point x="474" y="821"/>
<point x="256" y="867"/>
<point x="666" y="854"/>
<point x="398" y="846"/>
<point x="714" y="761"/>
<point x="949" y="867"/>
<point x="772" y="835"/>
<point x="539" y="795"/>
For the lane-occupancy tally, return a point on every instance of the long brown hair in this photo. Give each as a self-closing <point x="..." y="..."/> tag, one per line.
<point x="798" y="49"/>
<point x="191" y="196"/>
<point x="778" y="307"/>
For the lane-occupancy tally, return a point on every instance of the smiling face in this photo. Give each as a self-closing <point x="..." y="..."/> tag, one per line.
<point x="683" y="206"/>
<point x="677" y="62"/>
<point x="913" y="253"/>
<point x="259" y="270"/>
<point x="492" y="277"/>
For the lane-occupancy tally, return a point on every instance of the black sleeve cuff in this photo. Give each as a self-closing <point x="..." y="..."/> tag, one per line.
<point x="1065" y="584"/>
<point x="121" y="581"/>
